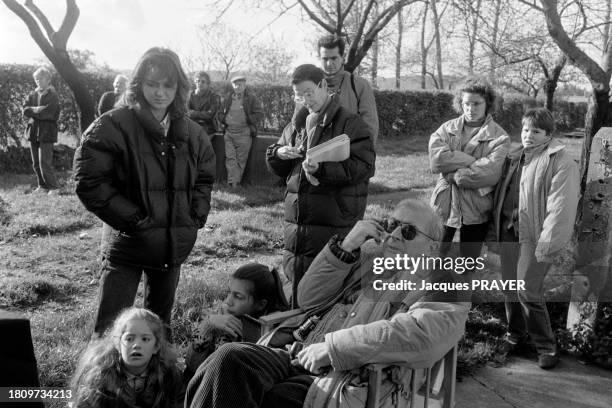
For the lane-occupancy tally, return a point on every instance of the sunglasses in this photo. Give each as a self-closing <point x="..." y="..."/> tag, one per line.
<point x="409" y="231"/>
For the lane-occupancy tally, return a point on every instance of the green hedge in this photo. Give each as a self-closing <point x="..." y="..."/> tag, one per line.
<point x="401" y="114"/>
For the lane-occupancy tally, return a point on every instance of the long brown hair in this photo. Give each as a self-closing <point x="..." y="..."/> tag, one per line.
<point x="168" y="64"/>
<point x="100" y="368"/>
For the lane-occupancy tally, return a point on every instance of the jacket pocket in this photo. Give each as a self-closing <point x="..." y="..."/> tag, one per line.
<point x="476" y="208"/>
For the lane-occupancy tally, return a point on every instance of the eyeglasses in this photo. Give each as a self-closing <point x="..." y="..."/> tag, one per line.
<point x="302" y="98"/>
<point x="409" y="231"/>
<point x="309" y="94"/>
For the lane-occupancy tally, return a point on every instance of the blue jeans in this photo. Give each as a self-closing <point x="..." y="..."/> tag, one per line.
<point x="526" y="310"/>
<point x="118" y="286"/>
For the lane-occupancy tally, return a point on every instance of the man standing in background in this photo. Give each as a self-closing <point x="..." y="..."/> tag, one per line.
<point x="242" y="112"/>
<point x="204" y="104"/>
<point x="109" y="99"/>
<point x="42" y="110"/>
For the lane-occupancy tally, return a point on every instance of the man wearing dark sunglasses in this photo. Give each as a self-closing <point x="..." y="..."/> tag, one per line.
<point x="362" y="325"/>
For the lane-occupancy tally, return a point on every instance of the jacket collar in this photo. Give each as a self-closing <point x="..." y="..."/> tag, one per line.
<point x="46" y="91"/>
<point x="553" y="147"/>
<point x="456" y="126"/>
<point x="178" y="126"/>
<point x="245" y="93"/>
<point x="207" y="92"/>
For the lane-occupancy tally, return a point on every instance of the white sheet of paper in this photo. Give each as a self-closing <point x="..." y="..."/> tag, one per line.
<point x="334" y="150"/>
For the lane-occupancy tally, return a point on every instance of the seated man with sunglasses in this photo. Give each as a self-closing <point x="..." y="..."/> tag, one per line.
<point x="352" y="324"/>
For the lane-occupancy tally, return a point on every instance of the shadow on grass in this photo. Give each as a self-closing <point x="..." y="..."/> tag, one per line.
<point x="378" y="188"/>
<point x="56" y="230"/>
<point x="34" y="293"/>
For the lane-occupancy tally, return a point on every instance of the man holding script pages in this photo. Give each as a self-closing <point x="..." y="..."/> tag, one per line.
<point x="327" y="158"/>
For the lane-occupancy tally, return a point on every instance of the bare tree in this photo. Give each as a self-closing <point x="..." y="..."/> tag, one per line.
<point x="495" y="37"/>
<point x="437" y="18"/>
<point x="375" y="51"/>
<point x="270" y="62"/>
<point x="332" y="17"/>
<point x="598" y="75"/>
<point x="398" y="49"/>
<point x="224" y="48"/>
<point x="471" y="16"/>
<point x="53" y="44"/>
<point x="425" y="46"/>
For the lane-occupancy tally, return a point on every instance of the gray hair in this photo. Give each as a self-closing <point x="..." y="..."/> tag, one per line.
<point x="433" y="224"/>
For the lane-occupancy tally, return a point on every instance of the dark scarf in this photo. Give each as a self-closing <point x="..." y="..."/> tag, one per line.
<point x="334" y="81"/>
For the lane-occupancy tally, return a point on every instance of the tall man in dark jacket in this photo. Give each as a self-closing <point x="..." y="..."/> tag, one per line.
<point x="242" y="112"/>
<point x="42" y="110"/>
<point x="322" y="199"/>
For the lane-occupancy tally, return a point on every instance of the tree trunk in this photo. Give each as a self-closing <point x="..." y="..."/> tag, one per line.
<point x="436" y="23"/>
<point x="424" y="49"/>
<point x="597" y="116"/>
<point x="78" y="85"/>
<point x="374" y="73"/>
<point x="493" y="56"/>
<point x="472" y="38"/>
<point x="398" y="50"/>
<point x="550" y="84"/>
<point x="374" y="70"/>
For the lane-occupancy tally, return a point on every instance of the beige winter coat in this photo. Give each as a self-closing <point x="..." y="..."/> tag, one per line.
<point x="468" y="198"/>
<point x="547" y="202"/>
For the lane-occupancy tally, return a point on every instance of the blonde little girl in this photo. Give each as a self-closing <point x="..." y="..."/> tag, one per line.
<point x="132" y="366"/>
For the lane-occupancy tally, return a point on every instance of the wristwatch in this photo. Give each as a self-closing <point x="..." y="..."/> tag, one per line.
<point x="335" y="243"/>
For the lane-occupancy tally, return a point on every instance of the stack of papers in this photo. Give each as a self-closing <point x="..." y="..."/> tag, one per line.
<point x="334" y="150"/>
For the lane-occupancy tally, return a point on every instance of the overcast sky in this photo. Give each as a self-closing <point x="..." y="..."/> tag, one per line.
<point x="119" y="31"/>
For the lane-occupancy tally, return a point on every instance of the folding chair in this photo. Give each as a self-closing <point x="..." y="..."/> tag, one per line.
<point x="433" y="387"/>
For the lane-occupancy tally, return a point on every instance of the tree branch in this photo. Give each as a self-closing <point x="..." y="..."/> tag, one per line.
<point x="362" y="23"/>
<point x="576" y="56"/>
<point x="324" y="13"/>
<point x="327" y="27"/>
<point x="388" y="14"/>
<point x="347" y="9"/>
<point x="71" y="17"/>
<point x="532" y="4"/>
<point x="286" y="10"/>
<point x="33" y="27"/>
<point x="41" y="17"/>
<point x="339" y="20"/>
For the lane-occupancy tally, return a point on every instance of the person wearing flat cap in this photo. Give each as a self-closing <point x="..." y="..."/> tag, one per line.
<point x="242" y="112"/>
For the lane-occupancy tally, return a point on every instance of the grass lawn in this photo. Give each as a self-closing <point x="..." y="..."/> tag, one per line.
<point x="49" y="248"/>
